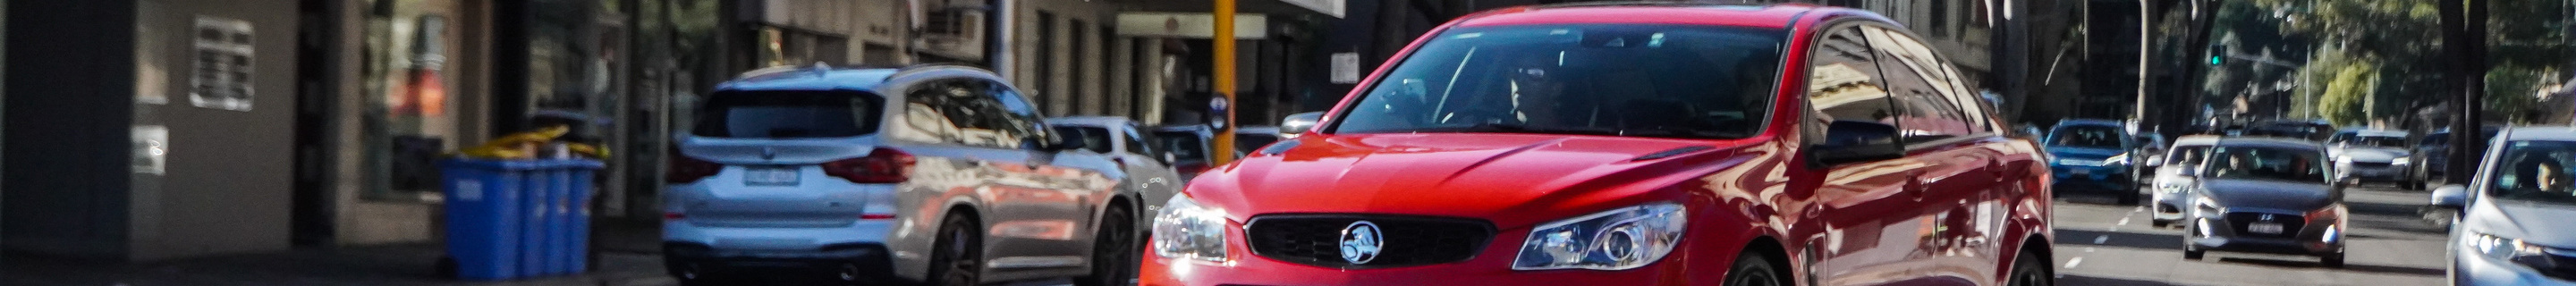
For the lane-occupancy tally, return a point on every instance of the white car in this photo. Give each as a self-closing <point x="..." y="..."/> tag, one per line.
<point x="2376" y="155"/>
<point x="1123" y="141"/>
<point x="2173" y="176"/>
<point x="2513" y="226"/>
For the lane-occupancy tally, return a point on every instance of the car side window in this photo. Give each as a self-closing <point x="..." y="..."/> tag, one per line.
<point x="1844" y="87"/>
<point x="1921" y="89"/>
<point x="936" y="112"/>
<point x="1136" y="143"/>
<point x="1020" y="122"/>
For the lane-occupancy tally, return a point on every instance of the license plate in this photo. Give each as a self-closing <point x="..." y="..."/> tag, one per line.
<point x="2264" y="228"/>
<point x="2080" y="172"/>
<point x="770" y="176"/>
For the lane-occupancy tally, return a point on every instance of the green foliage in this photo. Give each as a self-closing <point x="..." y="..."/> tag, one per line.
<point x="2346" y="98"/>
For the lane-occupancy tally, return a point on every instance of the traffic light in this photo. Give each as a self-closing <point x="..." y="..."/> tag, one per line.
<point x="2217" y="54"/>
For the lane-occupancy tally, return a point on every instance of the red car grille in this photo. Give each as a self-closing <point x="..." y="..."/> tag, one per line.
<point x="1408" y="241"/>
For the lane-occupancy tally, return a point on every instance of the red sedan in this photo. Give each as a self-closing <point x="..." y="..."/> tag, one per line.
<point x="1632" y="144"/>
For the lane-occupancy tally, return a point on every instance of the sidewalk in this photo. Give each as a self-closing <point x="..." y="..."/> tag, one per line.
<point x="372" y="265"/>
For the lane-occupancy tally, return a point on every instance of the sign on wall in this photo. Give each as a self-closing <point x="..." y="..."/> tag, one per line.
<point x="1346" y="68"/>
<point x="222" y="68"/>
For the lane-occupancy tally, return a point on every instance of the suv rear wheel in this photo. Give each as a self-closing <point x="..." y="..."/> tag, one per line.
<point x="2028" y="270"/>
<point x="956" y="260"/>
<point x="1114" y="252"/>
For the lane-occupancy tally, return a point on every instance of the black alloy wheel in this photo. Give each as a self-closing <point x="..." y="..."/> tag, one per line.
<point x="2029" y="270"/>
<point x="1115" y="252"/>
<point x="1751" y="269"/>
<point x="958" y="256"/>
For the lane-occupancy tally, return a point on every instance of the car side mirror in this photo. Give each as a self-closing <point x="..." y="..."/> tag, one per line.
<point x="2451" y="196"/>
<point x="1858" y="141"/>
<point x="1299" y="123"/>
<point x="2154" y="161"/>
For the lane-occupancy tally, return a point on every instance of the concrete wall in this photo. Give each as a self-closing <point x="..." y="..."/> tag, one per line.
<point x="229" y="173"/>
<point x="67" y="168"/>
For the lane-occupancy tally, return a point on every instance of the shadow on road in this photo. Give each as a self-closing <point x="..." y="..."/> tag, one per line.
<point x="2347" y="267"/>
<point x="2387" y="209"/>
<point x="2103" y="281"/>
<point x="2071" y="237"/>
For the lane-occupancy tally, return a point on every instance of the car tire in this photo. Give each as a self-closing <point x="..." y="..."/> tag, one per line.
<point x="2332" y="260"/>
<point x="2193" y="254"/>
<point x="1115" y="252"/>
<point x="1752" y="269"/>
<point x="2030" y="270"/>
<point x="956" y="256"/>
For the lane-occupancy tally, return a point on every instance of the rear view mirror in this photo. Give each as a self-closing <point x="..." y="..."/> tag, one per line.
<point x="2451" y="196"/>
<point x="1858" y="141"/>
<point x="1299" y="124"/>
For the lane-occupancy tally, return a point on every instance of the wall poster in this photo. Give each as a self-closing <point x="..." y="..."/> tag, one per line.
<point x="222" y="68"/>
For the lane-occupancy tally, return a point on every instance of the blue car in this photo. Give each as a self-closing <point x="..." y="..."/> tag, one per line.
<point x="2092" y="155"/>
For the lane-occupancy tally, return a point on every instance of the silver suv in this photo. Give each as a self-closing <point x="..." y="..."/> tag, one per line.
<point x="937" y="174"/>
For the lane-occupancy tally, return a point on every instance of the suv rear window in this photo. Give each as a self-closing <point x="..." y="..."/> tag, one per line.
<point x="789" y="114"/>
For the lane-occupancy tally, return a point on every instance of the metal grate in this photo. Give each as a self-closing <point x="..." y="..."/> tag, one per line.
<point x="1409" y="241"/>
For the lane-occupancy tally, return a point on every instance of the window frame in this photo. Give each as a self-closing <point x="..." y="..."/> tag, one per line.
<point x="1808" y="123"/>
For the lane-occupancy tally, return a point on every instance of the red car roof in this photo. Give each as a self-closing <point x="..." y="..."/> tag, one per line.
<point x="1776" y="16"/>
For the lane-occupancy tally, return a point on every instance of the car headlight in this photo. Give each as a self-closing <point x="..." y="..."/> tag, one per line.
<point x="2330" y="214"/>
<point x="2399" y="161"/>
<point x="2203" y="206"/>
<point x="2343" y="160"/>
<point x="2121" y="159"/>
<point x="2510" y="249"/>
<point x="1621" y="239"/>
<point x="1185" y="229"/>
<point x="2172" y="188"/>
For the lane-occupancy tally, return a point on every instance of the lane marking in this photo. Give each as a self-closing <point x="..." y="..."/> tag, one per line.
<point x="2070" y="263"/>
<point x="2088" y="249"/>
<point x="2124" y="221"/>
<point x="2100" y="239"/>
<point x="2137" y="209"/>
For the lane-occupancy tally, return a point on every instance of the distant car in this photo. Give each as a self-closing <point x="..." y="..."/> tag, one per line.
<point x="2265" y="195"/>
<point x="937" y="174"/>
<point x="1191" y="147"/>
<point x="1250" y="138"/>
<point x="1149" y="169"/>
<point x="2092" y="155"/>
<point x="2310" y="130"/>
<point x="2430" y="159"/>
<point x="2514" y="225"/>
<point x="2173" y="176"/>
<point x="2370" y="155"/>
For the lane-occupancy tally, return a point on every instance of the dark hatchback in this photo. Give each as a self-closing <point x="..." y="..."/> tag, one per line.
<point x="2265" y="195"/>
<point x="2093" y="155"/>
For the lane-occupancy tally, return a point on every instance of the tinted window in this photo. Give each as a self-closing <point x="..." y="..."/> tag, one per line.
<point x="2086" y="136"/>
<point x="2187" y="156"/>
<point x="2379" y="141"/>
<point x="1921" y="89"/>
<point x="2535" y="171"/>
<point x="1843" y="85"/>
<point x="2266" y="163"/>
<point x="789" y="114"/>
<point x="1136" y="143"/>
<point x="1187" y="146"/>
<point x="1632" y="80"/>
<point x="1093" y="138"/>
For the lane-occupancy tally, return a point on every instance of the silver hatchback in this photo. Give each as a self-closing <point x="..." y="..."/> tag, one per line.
<point x="938" y="174"/>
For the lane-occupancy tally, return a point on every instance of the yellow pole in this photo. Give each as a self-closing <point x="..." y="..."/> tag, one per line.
<point x="1224" y="42"/>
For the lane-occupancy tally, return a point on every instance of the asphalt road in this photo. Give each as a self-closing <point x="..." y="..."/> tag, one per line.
<point x="2103" y="244"/>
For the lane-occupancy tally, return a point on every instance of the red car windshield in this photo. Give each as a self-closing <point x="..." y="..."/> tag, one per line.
<point x="1624" y="80"/>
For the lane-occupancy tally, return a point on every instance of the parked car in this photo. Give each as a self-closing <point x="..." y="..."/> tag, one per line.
<point x="2174" y="176"/>
<point x="936" y="174"/>
<point x="2431" y="158"/>
<point x="2513" y="226"/>
<point x="1251" y="138"/>
<point x="2092" y="155"/>
<point x="2310" y="130"/>
<point x="2265" y="195"/>
<point x="1125" y="142"/>
<point x="2370" y="155"/>
<point x="1191" y="146"/>
<point x="1688" y="157"/>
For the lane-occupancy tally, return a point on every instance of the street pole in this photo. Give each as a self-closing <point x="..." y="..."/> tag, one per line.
<point x="1224" y="63"/>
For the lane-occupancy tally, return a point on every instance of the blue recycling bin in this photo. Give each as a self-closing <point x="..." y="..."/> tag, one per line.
<point x="484" y="217"/>
<point x="517" y="218"/>
<point x="576" y="230"/>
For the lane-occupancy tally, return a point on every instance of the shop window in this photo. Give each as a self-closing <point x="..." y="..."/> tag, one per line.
<point x="409" y="116"/>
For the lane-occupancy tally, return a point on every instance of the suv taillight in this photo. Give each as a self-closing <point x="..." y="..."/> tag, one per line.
<point x="685" y="169"/>
<point x="882" y="166"/>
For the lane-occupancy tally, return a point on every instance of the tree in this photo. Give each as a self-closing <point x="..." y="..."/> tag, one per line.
<point x="2346" y="98"/>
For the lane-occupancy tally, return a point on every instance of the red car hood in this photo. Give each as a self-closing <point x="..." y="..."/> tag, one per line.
<point x="1513" y="180"/>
